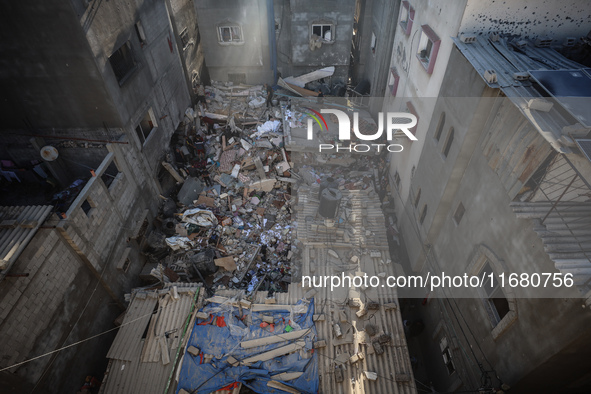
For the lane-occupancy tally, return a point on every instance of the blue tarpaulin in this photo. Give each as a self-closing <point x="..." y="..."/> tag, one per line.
<point x="220" y="335"/>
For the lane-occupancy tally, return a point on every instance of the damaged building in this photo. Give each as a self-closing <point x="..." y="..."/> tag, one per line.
<point x="166" y="213"/>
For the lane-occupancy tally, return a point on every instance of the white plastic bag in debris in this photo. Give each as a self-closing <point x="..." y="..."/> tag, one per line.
<point x="200" y="217"/>
<point x="257" y="102"/>
<point x="177" y="243"/>
<point x="268" y="126"/>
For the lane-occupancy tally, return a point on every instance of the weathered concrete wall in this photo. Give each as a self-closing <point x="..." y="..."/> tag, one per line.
<point x="47" y="73"/>
<point x="184" y="18"/>
<point x="158" y="82"/>
<point x="378" y="18"/>
<point x="251" y="57"/>
<point x="337" y="53"/>
<point x="65" y="262"/>
<point x="535" y="329"/>
<point x="528" y="18"/>
<point x="415" y="84"/>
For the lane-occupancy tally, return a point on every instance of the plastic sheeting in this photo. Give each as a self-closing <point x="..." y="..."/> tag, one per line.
<point x="222" y="339"/>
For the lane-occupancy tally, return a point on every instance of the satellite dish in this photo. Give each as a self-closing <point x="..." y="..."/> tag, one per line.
<point x="49" y="153"/>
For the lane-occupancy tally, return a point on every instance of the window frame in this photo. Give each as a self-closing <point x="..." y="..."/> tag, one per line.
<point x="481" y="256"/>
<point x="428" y="36"/>
<point x="323" y="22"/>
<point x="423" y="214"/>
<point x="459" y="213"/>
<point x="374" y="43"/>
<point x="417" y="198"/>
<point x="230" y="26"/>
<point x="445" y="348"/>
<point x="406" y="25"/>
<point x="141" y="134"/>
<point x="121" y="79"/>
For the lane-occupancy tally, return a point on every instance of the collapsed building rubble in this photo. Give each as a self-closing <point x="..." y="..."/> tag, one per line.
<point x="247" y="219"/>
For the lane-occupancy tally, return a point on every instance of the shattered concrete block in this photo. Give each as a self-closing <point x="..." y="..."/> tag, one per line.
<point x="540" y="104"/>
<point x="319" y="344"/>
<point x="268" y="319"/>
<point x="245" y="303"/>
<point x="371" y="375"/>
<point x="356" y="357"/>
<point x="193" y="351"/>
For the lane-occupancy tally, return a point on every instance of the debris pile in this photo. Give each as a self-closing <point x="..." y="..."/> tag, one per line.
<point x="226" y="220"/>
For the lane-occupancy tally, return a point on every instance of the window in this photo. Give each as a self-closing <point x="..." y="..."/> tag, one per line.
<point x="394" y="79"/>
<point x="374" y="42"/>
<point x="185" y="37"/>
<point x="407" y="15"/>
<point x="139" y="31"/>
<point x="440" y="125"/>
<point x="459" y="213"/>
<point x="499" y="304"/>
<point x="146" y="126"/>
<point x="123" y="63"/>
<point x="87" y="206"/>
<point x="423" y="214"/>
<point x="448" y="142"/>
<point x="324" y="30"/>
<point x="397" y="179"/>
<point x="417" y="198"/>
<point x="446" y="353"/>
<point x="230" y="34"/>
<point x="428" y="48"/>
<point x="494" y="298"/>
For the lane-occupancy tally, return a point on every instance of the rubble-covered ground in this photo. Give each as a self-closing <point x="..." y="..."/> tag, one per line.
<point x="226" y="219"/>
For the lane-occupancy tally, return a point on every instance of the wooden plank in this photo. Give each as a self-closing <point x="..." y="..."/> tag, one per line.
<point x="286" y="336"/>
<point x="270" y="307"/>
<point x="227" y="263"/>
<point x="285" y="376"/>
<point x="292" y="347"/>
<point x="173" y="172"/>
<point x="280" y="386"/>
<point x="164" y="351"/>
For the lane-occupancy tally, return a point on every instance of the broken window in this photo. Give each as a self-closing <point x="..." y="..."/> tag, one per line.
<point x="428" y="48"/>
<point x="494" y="299"/>
<point x="397" y="179"/>
<point x="123" y="63"/>
<point x="146" y="126"/>
<point x="230" y="34"/>
<point x="323" y="30"/>
<point x="407" y="15"/>
<point x="446" y="353"/>
<point x="374" y="43"/>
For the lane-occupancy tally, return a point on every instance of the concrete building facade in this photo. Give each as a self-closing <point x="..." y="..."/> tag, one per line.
<point x="472" y="195"/>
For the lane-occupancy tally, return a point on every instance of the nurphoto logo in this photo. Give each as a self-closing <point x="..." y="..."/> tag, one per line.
<point x="395" y="121"/>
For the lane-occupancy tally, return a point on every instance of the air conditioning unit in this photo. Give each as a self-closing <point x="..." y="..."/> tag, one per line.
<point x="490" y="76"/>
<point x="521" y="44"/>
<point x="543" y="42"/>
<point x="467" y="39"/>
<point x="494" y="37"/>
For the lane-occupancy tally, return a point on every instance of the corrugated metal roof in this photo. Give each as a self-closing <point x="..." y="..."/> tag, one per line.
<point x="18" y="225"/>
<point x="136" y="365"/>
<point x="485" y="55"/>
<point x="393" y="367"/>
